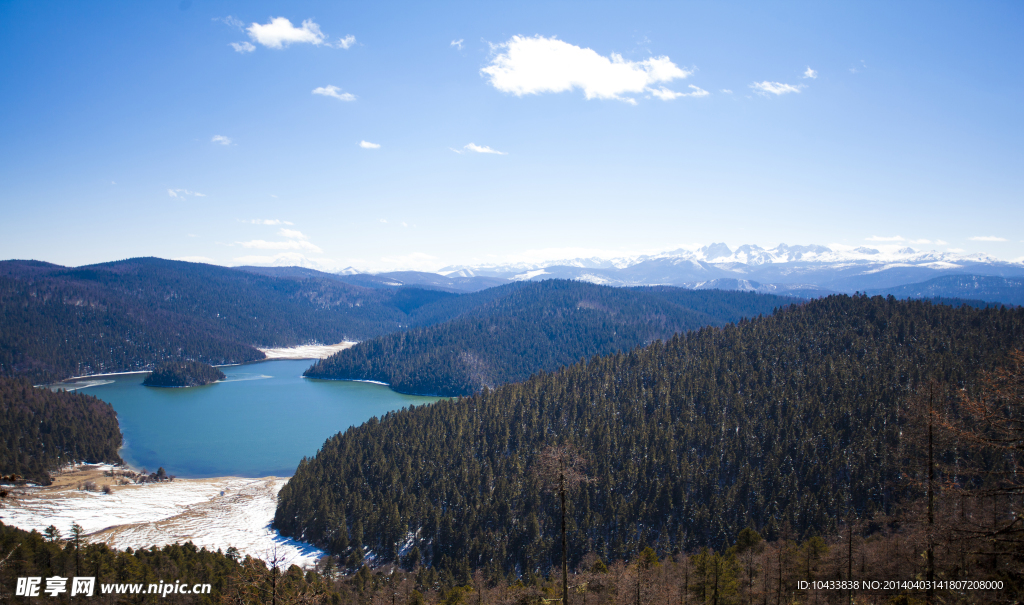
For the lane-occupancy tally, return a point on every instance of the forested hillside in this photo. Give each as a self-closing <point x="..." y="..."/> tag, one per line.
<point x="57" y="322"/>
<point x="41" y="430"/>
<point x="531" y="327"/>
<point x="784" y="423"/>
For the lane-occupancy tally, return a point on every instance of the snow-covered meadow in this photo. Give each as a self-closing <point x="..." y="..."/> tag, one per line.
<point x="215" y="513"/>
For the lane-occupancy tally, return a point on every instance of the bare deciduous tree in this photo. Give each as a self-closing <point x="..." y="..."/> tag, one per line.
<point x="561" y="468"/>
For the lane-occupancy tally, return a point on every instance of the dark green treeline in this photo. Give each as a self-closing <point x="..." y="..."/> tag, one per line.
<point x="532" y="327"/>
<point x="785" y="423"/>
<point x="41" y="430"/>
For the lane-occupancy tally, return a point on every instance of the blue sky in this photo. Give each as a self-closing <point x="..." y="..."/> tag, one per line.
<point x="802" y="123"/>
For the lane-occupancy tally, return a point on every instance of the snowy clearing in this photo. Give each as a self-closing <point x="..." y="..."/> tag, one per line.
<point x="215" y="513"/>
<point x="307" y="351"/>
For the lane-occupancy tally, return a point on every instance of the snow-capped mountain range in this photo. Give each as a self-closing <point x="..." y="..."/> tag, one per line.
<point x="797" y="270"/>
<point x="747" y="256"/>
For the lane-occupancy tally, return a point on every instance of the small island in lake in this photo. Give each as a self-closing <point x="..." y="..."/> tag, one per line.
<point x="183" y="374"/>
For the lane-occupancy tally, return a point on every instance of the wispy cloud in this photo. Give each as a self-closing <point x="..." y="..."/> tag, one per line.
<point x="879" y="238"/>
<point x="183" y="193"/>
<point x="775" y="88"/>
<point x="219" y="138"/>
<point x="480" y="149"/>
<point x="940" y="242"/>
<point x="243" y="47"/>
<point x="196" y="259"/>
<point x="457" y="43"/>
<point x="727" y="91"/>
<point x="346" y="43"/>
<point x="231" y="22"/>
<point x="667" y="95"/>
<point x="335" y="92"/>
<point x="987" y="238"/>
<point x="413" y="261"/>
<point x="955" y="250"/>
<point x="369" y="145"/>
<point x="269" y="221"/>
<point x="287" y="259"/>
<point x="919" y="241"/>
<point x="863" y="66"/>
<point x="280" y="33"/>
<point x="292" y="234"/>
<point x="292" y="244"/>
<point x="810" y="73"/>
<point x="538" y="65"/>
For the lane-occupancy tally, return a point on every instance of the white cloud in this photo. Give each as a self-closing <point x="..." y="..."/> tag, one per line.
<point x="347" y="42"/>
<point x="369" y="145"/>
<point x="667" y="95"/>
<point x="727" y="91"/>
<point x="269" y="221"/>
<point x="292" y="244"/>
<point x="940" y="242"/>
<point x="775" y="88"/>
<point x="334" y="91"/>
<point x="243" y="47"/>
<point x="288" y="259"/>
<point x="219" y="138"/>
<point x="538" y="65"/>
<point x="955" y="250"/>
<point x="292" y="234"/>
<point x="404" y="224"/>
<point x="919" y="241"/>
<point x="810" y="73"/>
<point x="987" y="238"/>
<point x="877" y="238"/>
<point x="183" y="193"/>
<point x="280" y="32"/>
<point x="416" y="261"/>
<point x="482" y="149"/>
<point x="457" y="43"/>
<point x="196" y="259"/>
<point x="231" y="22"/>
<point x="383" y="220"/>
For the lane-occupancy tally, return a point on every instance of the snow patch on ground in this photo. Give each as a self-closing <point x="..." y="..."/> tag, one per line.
<point x="306" y="351"/>
<point x="215" y="513"/>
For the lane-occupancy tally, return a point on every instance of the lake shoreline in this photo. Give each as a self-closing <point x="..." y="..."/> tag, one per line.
<point x="260" y="421"/>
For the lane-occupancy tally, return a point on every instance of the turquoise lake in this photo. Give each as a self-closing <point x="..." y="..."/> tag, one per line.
<point x="260" y="421"/>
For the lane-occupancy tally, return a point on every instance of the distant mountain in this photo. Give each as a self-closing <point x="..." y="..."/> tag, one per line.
<point x="57" y="322"/>
<point x="419" y="279"/>
<point x="805" y="271"/>
<point x="975" y="287"/>
<point x="532" y="327"/>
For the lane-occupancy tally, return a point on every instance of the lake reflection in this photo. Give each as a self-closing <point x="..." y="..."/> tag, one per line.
<point x="260" y="421"/>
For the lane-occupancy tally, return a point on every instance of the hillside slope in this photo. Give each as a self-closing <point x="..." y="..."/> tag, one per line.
<point x="41" y="430"/>
<point x="1006" y="290"/>
<point x="783" y="423"/>
<point x="532" y="327"/>
<point x="57" y="322"/>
